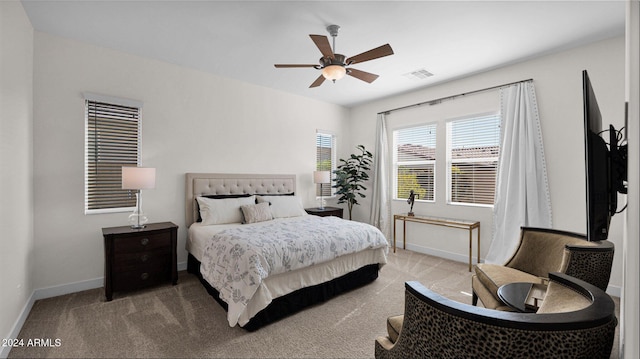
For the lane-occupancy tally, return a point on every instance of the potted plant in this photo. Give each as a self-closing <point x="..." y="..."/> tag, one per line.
<point x="350" y="175"/>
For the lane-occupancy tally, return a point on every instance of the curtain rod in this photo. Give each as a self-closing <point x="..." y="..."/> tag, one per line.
<point x="439" y="100"/>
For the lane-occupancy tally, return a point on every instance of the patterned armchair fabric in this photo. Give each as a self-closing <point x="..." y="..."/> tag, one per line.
<point x="576" y="320"/>
<point x="542" y="251"/>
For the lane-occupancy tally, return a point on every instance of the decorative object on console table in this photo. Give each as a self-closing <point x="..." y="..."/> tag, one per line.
<point x="411" y="200"/>
<point x="321" y="177"/>
<point x="137" y="258"/>
<point x="325" y="212"/>
<point x="138" y="178"/>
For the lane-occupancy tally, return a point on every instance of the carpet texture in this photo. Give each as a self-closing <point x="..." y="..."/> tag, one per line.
<point x="183" y="321"/>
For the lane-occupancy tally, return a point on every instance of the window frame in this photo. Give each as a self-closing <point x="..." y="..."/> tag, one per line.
<point x="450" y="161"/>
<point x="396" y="164"/>
<point x="334" y="164"/>
<point x="109" y="101"/>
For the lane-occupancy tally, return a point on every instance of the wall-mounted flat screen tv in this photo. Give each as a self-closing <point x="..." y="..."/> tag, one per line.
<point x="605" y="167"/>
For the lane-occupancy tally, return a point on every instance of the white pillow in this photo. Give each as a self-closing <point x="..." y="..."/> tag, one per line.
<point x="284" y="206"/>
<point x="254" y="213"/>
<point x="224" y="210"/>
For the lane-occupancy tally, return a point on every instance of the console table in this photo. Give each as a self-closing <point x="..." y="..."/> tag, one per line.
<point x="437" y="221"/>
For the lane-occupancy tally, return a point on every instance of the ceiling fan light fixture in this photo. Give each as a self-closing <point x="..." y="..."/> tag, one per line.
<point x="334" y="66"/>
<point x="334" y="72"/>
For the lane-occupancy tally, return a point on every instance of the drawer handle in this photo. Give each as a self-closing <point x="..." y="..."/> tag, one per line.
<point x="144" y="276"/>
<point x="144" y="241"/>
<point x="144" y="257"/>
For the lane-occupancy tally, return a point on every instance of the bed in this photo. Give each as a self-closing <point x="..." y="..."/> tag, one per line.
<point x="255" y="270"/>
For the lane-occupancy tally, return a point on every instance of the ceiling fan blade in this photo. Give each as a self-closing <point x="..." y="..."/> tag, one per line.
<point x="362" y="75"/>
<point x="384" y="50"/>
<point x="317" y="82"/>
<point x="323" y="45"/>
<point x="281" y="66"/>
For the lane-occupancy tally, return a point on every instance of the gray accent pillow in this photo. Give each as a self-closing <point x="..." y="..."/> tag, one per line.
<point x="254" y="213"/>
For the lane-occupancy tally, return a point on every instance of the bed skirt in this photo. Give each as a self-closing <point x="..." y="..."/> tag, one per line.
<point x="296" y="301"/>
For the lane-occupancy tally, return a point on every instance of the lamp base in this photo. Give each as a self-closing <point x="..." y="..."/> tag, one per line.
<point x="321" y="203"/>
<point x="138" y="220"/>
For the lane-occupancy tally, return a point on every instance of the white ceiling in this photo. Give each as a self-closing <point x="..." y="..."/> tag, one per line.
<point x="244" y="39"/>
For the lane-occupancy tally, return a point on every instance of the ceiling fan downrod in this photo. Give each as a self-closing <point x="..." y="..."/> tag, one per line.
<point x="333" y="31"/>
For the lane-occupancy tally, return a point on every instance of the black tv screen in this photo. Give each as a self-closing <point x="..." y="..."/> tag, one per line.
<point x="601" y="197"/>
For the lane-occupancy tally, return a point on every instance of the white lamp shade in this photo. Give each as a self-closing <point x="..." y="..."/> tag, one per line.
<point x="138" y="178"/>
<point x="321" y="177"/>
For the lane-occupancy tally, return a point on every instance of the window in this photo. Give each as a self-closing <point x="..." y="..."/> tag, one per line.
<point x="473" y="146"/>
<point x="325" y="159"/>
<point x="414" y="161"/>
<point x="112" y="141"/>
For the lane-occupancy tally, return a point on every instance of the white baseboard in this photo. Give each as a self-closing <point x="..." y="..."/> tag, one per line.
<point x="17" y="326"/>
<point x="63" y="289"/>
<point x="614" y="291"/>
<point x="182" y="266"/>
<point x="58" y="290"/>
<point x="54" y="291"/>
<point x="456" y="257"/>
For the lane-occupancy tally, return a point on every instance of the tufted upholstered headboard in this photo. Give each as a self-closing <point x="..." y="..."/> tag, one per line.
<point x="201" y="184"/>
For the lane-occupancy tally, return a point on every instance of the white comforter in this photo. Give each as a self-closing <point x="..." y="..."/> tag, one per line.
<point x="237" y="260"/>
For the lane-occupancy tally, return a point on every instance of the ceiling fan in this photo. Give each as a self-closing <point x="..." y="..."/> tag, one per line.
<point x="334" y="66"/>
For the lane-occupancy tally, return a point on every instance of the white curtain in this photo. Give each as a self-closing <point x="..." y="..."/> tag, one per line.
<point x="380" y="215"/>
<point x="522" y="192"/>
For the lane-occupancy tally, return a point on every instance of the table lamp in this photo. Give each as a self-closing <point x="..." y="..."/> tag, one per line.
<point x="138" y="178"/>
<point x="321" y="177"/>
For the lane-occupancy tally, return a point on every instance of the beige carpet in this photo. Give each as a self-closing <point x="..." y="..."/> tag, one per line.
<point x="184" y="321"/>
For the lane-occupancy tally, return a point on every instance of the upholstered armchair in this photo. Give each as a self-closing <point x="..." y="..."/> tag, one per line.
<point x="575" y="320"/>
<point x="542" y="251"/>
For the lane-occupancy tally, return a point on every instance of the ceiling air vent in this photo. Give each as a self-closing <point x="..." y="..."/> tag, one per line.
<point x="420" y="74"/>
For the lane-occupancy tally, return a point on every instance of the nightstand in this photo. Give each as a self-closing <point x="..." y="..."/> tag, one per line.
<point x="325" y="212"/>
<point x="138" y="258"/>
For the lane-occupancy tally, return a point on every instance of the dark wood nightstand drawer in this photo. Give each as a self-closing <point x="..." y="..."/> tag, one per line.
<point x="137" y="258"/>
<point x="148" y="260"/>
<point x="141" y="243"/>
<point x="140" y="278"/>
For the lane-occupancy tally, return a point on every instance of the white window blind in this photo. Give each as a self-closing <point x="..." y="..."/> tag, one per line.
<point x="112" y="141"/>
<point x="473" y="147"/>
<point x="325" y="159"/>
<point x="414" y="154"/>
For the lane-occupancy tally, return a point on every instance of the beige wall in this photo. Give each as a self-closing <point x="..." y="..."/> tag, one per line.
<point x="188" y="115"/>
<point x="191" y="122"/>
<point x="16" y="166"/>
<point x="558" y="83"/>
